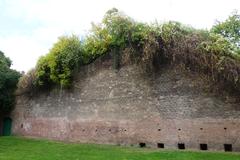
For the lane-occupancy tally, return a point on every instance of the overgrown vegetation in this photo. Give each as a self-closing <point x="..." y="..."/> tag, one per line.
<point x="8" y="83"/>
<point x="215" y="53"/>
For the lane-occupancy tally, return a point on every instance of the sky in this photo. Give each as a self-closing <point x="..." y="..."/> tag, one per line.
<point x="29" y="28"/>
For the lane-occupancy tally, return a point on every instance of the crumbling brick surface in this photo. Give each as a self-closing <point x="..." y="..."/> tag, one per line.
<point x="127" y="107"/>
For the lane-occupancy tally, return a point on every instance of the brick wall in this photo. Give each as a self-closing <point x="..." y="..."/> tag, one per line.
<point x="128" y="107"/>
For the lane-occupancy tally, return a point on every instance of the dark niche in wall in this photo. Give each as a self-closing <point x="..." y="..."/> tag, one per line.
<point x="228" y="147"/>
<point x="203" y="147"/>
<point x="142" y="145"/>
<point x="160" y="145"/>
<point x="181" y="146"/>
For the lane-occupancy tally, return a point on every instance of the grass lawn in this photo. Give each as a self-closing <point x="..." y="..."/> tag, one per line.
<point x="16" y="148"/>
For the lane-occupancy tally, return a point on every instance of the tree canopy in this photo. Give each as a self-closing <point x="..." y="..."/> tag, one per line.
<point x="8" y="83"/>
<point x="230" y="29"/>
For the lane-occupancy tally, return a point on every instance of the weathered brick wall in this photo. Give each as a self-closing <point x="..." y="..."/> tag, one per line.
<point x="127" y="107"/>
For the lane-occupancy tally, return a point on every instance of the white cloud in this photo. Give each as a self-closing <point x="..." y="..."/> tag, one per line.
<point x="58" y="17"/>
<point x="23" y="51"/>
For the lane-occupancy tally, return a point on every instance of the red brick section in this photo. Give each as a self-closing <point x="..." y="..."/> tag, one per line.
<point x="214" y="132"/>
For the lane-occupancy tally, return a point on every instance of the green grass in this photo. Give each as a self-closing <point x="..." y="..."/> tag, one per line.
<point x="16" y="148"/>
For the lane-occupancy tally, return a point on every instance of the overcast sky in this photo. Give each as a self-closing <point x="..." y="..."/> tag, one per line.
<point x="28" y="28"/>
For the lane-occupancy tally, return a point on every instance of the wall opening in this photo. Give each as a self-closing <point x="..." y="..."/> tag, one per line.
<point x="181" y="146"/>
<point x="160" y="145"/>
<point x="142" y="145"/>
<point x="203" y="147"/>
<point x="7" y="125"/>
<point x="228" y="147"/>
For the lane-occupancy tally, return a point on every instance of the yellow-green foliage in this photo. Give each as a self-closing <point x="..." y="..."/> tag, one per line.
<point x="58" y="65"/>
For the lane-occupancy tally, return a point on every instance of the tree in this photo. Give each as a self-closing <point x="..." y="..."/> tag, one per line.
<point x="8" y="83"/>
<point x="230" y="29"/>
<point x="119" y="27"/>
